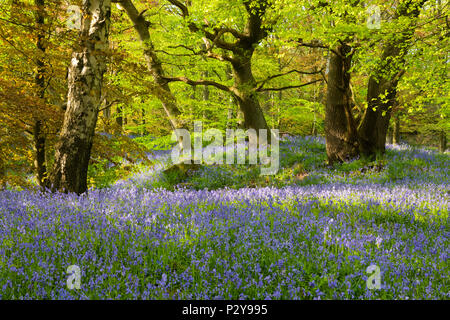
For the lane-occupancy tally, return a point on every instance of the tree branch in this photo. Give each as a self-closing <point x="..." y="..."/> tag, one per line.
<point x="316" y="44"/>
<point x="215" y="36"/>
<point x="286" y="73"/>
<point x="109" y="105"/>
<point x="198" y="82"/>
<point x="289" y="87"/>
<point x="182" y="7"/>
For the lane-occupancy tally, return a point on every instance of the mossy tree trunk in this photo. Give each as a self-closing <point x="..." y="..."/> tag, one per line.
<point x="340" y="128"/>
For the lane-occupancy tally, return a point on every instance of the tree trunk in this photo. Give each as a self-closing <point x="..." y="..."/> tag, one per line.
<point x="85" y="80"/>
<point x="232" y="106"/>
<point x="239" y="118"/>
<point x="38" y="134"/>
<point x="2" y="176"/>
<point x="241" y="51"/>
<point x="205" y="88"/>
<point x="119" y="118"/>
<point x="144" y="130"/>
<point x="247" y="98"/>
<point x="374" y="125"/>
<point x="442" y="141"/>
<point x="381" y="97"/>
<point x="390" y="136"/>
<point x="106" y="109"/>
<point x="314" y="129"/>
<point x="340" y="129"/>
<point x="396" y="130"/>
<point x="39" y="146"/>
<point x="230" y="115"/>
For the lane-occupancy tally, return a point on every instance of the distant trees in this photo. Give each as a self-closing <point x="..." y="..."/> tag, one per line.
<point x="338" y="77"/>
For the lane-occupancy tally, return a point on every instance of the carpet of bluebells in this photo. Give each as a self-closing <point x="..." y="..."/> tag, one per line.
<point x="312" y="239"/>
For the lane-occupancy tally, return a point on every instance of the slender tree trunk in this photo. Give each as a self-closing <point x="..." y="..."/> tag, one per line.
<point x="239" y="118"/>
<point x="2" y="175"/>
<point x="205" y="88"/>
<point x="340" y="129"/>
<point x="106" y="109"/>
<point x="85" y="80"/>
<point x="39" y="145"/>
<point x="396" y="130"/>
<point x="230" y="113"/>
<point x="280" y="97"/>
<point x="38" y="134"/>
<point x="241" y="52"/>
<point x="390" y="137"/>
<point x="442" y="141"/>
<point x="314" y="127"/>
<point x="143" y="122"/>
<point x="205" y="96"/>
<point x="193" y="97"/>
<point x="119" y="118"/>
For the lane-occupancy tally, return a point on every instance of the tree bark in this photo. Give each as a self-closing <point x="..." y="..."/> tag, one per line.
<point x="442" y="141"/>
<point x="38" y="134"/>
<point x="245" y="83"/>
<point x="119" y="117"/>
<point x="232" y="106"/>
<point x="390" y="137"/>
<point x="85" y="81"/>
<point x="374" y="125"/>
<point x="205" y="88"/>
<point x="396" y="130"/>
<point x="340" y="128"/>
<point x="381" y="97"/>
<point x="246" y="96"/>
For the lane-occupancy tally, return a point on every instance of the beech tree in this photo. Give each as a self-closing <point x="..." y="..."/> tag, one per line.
<point x="236" y="47"/>
<point x="239" y="55"/>
<point x="154" y="66"/>
<point x="382" y="86"/>
<point x="346" y="135"/>
<point x="340" y="126"/>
